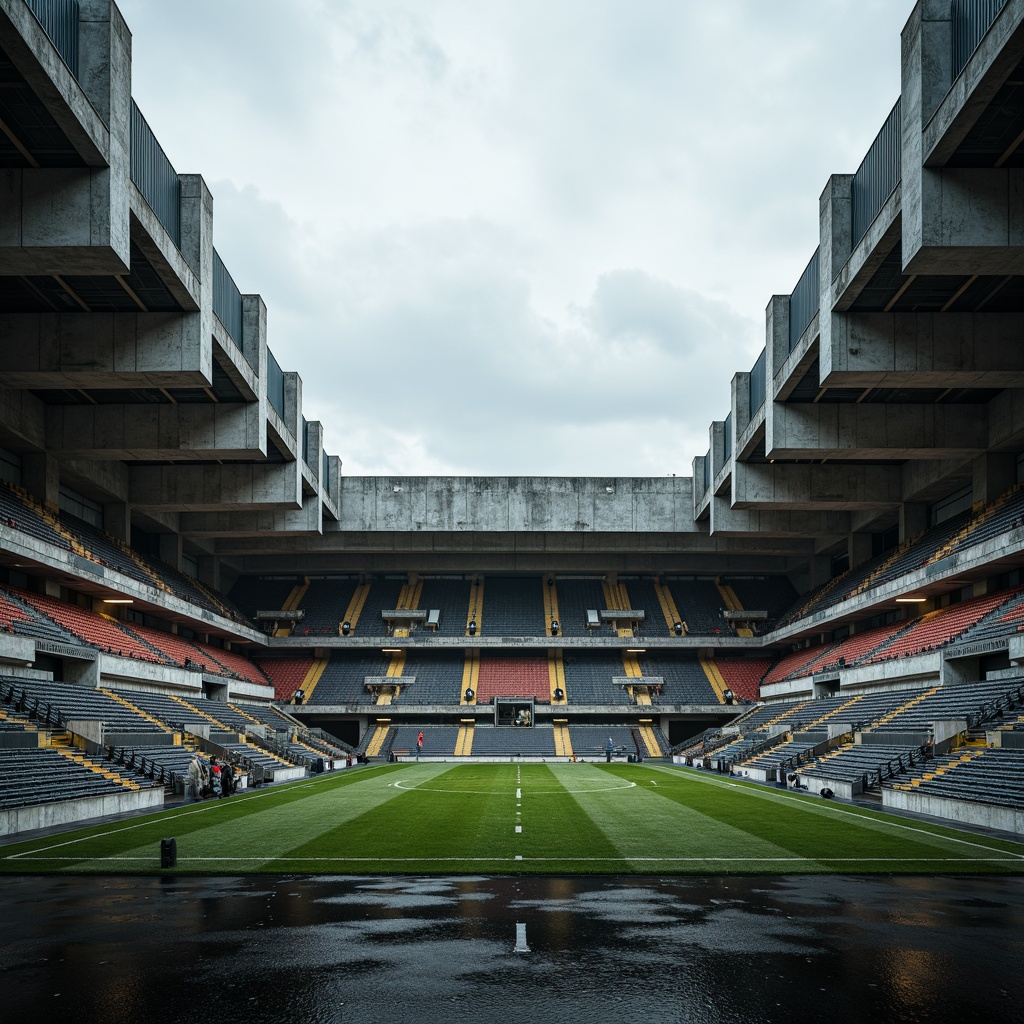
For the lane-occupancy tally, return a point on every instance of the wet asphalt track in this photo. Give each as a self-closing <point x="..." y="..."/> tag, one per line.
<point x="312" y="950"/>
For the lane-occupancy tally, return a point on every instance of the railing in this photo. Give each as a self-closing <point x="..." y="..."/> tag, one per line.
<point x="971" y="20"/>
<point x="727" y="439"/>
<point x="227" y="300"/>
<point x="59" y="19"/>
<point x="878" y="174"/>
<point x="805" y="300"/>
<point x="154" y="176"/>
<point x="275" y="383"/>
<point x="757" y="387"/>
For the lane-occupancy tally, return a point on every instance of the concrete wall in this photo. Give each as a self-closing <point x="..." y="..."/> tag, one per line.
<point x="24" y="819"/>
<point x="1005" y="819"/>
<point x="570" y="504"/>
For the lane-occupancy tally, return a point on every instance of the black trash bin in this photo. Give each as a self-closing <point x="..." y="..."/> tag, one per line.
<point x="168" y="853"/>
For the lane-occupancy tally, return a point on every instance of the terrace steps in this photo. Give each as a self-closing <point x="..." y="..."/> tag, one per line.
<point x="313" y="676"/>
<point x="904" y="707"/>
<point x="714" y="677"/>
<point x="556" y="677"/>
<point x="290" y="604"/>
<point x="668" y="607"/>
<point x="355" y="607"/>
<point x="124" y="702"/>
<point x="734" y="604"/>
<point x="551" y="608"/>
<point x="464" y="741"/>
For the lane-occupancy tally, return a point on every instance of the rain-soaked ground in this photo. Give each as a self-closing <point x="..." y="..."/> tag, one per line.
<point x="328" y="949"/>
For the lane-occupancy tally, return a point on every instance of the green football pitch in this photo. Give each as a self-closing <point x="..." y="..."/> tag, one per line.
<point x="443" y="818"/>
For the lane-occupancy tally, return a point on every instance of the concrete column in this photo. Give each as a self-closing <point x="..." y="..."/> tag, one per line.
<point x="820" y="569"/>
<point x="117" y="520"/>
<point x="776" y="340"/>
<point x="698" y="482"/>
<point x="196" y="212"/>
<point x="859" y="548"/>
<point x="740" y="403"/>
<point x="40" y="476"/>
<point x="314" y="447"/>
<point x="293" y="407"/>
<point x="716" y="435"/>
<point x="835" y="213"/>
<point x="913" y="519"/>
<point x="170" y="549"/>
<point x="209" y="571"/>
<point x="254" y="333"/>
<point x="994" y="474"/>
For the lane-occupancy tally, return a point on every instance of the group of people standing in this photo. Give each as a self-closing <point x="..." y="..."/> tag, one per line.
<point x="213" y="779"/>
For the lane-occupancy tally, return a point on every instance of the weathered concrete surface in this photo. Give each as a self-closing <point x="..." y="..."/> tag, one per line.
<point x="502" y="504"/>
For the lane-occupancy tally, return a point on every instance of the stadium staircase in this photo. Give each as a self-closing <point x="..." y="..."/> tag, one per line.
<point x="291" y="604"/>
<point x="464" y="741"/>
<point x="563" y="741"/>
<point x="885" y="719"/>
<point x="408" y="600"/>
<point x="556" y="678"/>
<point x="650" y="740"/>
<point x="733" y="604"/>
<point x="617" y="599"/>
<point x="668" y="608"/>
<point x="470" y="678"/>
<point x="124" y="702"/>
<point x="475" y="611"/>
<point x="714" y="677"/>
<point x="355" y="607"/>
<point x="551" y="613"/>
<point x="73" y="755"/>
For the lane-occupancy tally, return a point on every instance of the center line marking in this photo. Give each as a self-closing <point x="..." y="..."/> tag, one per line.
<point x="519" y="828"/>
<point x="519" y="794"/>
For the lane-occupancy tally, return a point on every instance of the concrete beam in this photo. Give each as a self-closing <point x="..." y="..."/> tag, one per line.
<point x="498" y="504"/>
<point x="831" y="431"/>
<point x="836" y="487"/>
<point x="726" y="521"/>
<point x="215" y="488"/>
<point x="105" y="350"/>
<point x="923" y="350"/>
<point x="307" y="519"/>
<point x="157" y="432"/>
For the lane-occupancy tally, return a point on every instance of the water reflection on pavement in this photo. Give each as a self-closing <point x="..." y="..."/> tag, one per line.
<point x="329" y="949"/>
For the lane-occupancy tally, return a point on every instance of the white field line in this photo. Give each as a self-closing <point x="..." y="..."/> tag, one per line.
<point x="831" y="809"/>
<point x="589" y="860"/>
<point x="173" y="816"/>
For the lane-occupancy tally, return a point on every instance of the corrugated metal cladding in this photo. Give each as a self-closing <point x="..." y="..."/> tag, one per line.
<point x="757" y="385"/>
<point x="59" y="19"/>
<point x="227" y="300"/>
<point x="154" y="176"/>
<point x="971" y="20"/>
<point x="805" y="299"/>
<point x="275" y="383"/>
<point x="878" y="174"/>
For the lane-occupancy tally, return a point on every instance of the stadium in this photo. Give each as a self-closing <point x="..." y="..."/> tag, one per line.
<point x="805" y="657"/>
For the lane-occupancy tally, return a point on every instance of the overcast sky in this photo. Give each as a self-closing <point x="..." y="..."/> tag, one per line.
<point x="514" y="237"/>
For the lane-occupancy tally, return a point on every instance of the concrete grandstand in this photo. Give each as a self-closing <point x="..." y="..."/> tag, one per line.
<point x="171" y="524"/>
